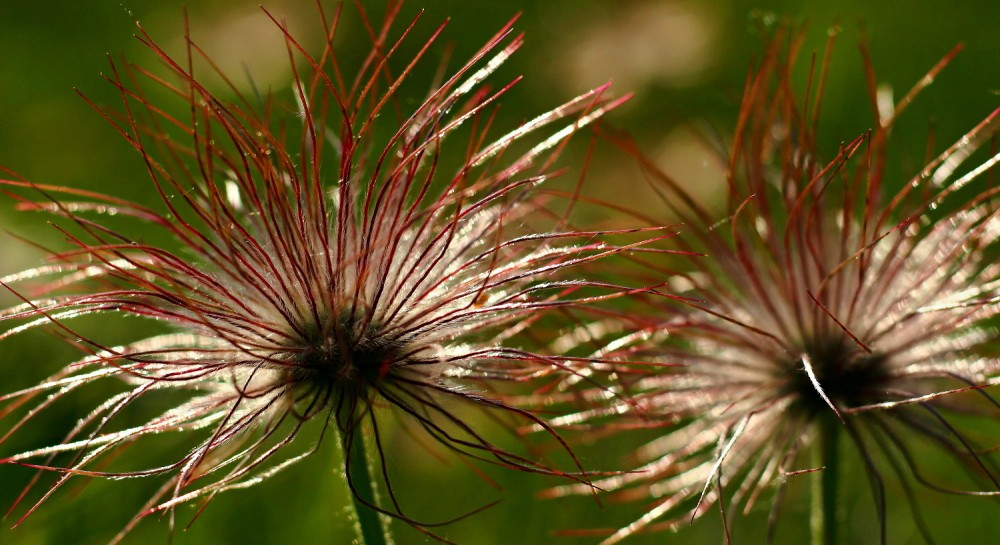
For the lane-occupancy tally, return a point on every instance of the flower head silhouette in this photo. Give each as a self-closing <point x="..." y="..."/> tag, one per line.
<point x="327" y="266"/>
<point x="834" y="301"/>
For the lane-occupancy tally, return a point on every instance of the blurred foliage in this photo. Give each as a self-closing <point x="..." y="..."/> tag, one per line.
<point x="685" y="60"/>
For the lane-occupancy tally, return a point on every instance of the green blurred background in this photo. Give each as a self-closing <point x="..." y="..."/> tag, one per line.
<point x="685" y="60"/>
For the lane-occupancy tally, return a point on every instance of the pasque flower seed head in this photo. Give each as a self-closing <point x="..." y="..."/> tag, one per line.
<point x="833" y="299"/>
<point x="328" y="267"/>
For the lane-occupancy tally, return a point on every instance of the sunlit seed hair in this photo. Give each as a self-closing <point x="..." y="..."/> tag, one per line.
<point x="329" y="267"/>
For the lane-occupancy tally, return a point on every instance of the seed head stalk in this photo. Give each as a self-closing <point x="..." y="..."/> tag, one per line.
<point x="373" y="527"/>
<point x="824" y="520"/>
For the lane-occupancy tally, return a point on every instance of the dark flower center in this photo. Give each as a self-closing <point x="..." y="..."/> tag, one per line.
<point x="847" y="375"/>
<point x="343" y="355"/>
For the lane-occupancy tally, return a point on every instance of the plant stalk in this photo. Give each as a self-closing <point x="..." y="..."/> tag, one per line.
<point x="370" y="526"/>
<point x="824" y="522"/>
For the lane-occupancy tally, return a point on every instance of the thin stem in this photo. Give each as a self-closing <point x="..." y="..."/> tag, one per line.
<point x="824" y="521"/>
<point x="373" y="528"/>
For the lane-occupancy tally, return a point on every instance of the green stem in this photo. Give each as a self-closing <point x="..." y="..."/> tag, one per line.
<point x="824" y="521"/>
<point x="373" y="527"/>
